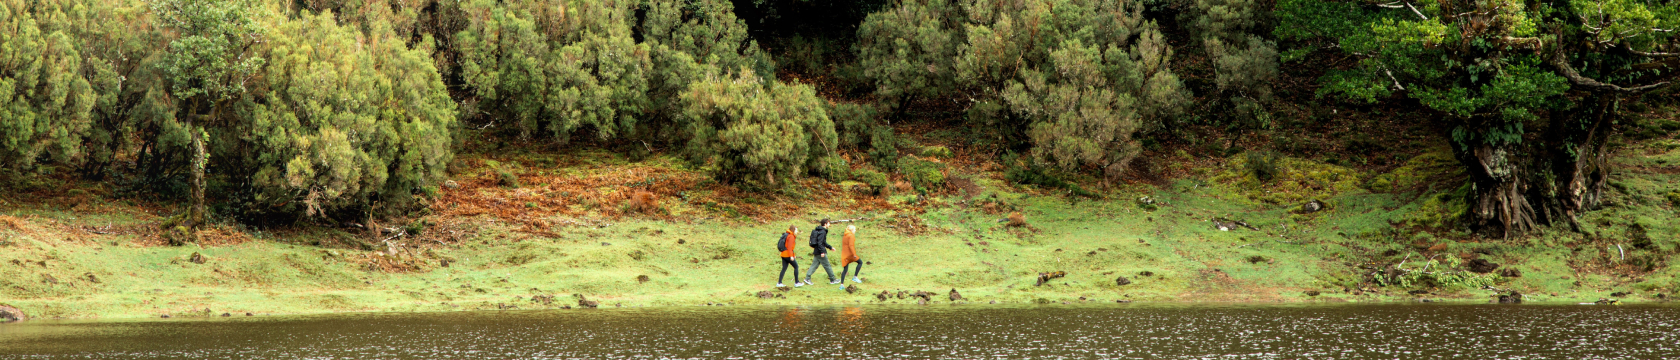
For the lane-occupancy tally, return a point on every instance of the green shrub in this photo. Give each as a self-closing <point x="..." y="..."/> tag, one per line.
<point x="754" y="130"/>
<point x="1022" y="173"/>
<point x="925" y="175"/>
<point x="831" y="168"/>
<point x="1673" y="198"/>
<point x="875" y="179"/>
<point x="1263" y="165"/>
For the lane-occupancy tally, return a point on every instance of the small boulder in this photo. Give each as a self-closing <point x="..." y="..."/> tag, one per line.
<point x="1312" y="206"/>
<point x="1045" y="277"/>
<point x="883" y="295"/>
<point x="923" y="294"/>
<point x="1122" y="281"/>
<point x="955" y="296"/>
<point x="851" y="289"/>
<point x="1512" y="298"/>
<point x="1482" y="266"/>
<point x="1311" y="292"/>
<point x="641" y="279"/>
<point x="766" y="295"/>
<point x="543" y="299"/>
<point x="1510" y="272"/>
<point x="10" y="314"/>
<point x="585" y="303"/>
<point x="196" y="258"/>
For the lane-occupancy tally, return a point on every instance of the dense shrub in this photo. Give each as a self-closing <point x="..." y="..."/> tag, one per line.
<point x="554" y="68"/>
<point x="1075" y="79"/>
<point x="925" y="176"/>
<point x="1262" y="164"/>
<point x="45" y="99"/>
<point x="756" y="131"/>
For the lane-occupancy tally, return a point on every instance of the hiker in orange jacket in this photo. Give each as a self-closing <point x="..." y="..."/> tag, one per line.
<point x="786" y="246"/>
<point x="848" y="254"/>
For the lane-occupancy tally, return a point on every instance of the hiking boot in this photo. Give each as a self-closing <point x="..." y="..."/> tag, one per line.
<point x="856" y="280"/>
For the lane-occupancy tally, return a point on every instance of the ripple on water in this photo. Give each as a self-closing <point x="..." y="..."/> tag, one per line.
<point x="1135" y="331"/>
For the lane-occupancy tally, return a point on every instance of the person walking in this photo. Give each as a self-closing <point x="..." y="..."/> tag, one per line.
<point x="819" y="253"/>
<point x="786" y="245"/>
<point x="848" y="254"/>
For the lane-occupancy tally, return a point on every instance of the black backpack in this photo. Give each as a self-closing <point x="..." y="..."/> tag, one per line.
<point x="781" y="243"/>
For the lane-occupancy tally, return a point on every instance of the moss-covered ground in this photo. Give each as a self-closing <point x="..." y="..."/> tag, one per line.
<point x="575" y="226"/>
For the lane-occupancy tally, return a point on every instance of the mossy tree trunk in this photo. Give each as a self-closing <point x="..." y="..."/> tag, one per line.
<point x="1552" y="182"/>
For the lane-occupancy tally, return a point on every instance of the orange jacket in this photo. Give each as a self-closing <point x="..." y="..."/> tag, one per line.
<point x="791" y="236"/>
<point x="848" y="249"/>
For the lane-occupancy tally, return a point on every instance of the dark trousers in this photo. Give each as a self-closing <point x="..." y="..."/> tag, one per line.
<point x="859" y="271"/>
<point x="818" y="260"/>
<point x="786" y="262"/>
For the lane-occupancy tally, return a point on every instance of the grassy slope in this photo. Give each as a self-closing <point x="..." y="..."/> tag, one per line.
<point x="725" y="256"/>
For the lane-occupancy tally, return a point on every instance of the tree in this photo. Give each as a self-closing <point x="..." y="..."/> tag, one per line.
<point x="1233" y="35"/>
<point x="45" y="101"/>
<point x="342" y="122"/>
<point x="756" y="131"/>
<point x="1529" y="89"/>
<point x="907" y="50"/>
<point x="555" y="66"/>
<point x="208" y="65"/>
<point x="1074" y="79"/>
<point x="690" y="40"/>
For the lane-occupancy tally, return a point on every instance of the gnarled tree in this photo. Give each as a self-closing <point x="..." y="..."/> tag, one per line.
<point x="1529" y="89"/>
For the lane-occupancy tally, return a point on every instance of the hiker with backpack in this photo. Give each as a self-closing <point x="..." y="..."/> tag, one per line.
<point x="819" y="254"/>
<point x="785" y="245"/>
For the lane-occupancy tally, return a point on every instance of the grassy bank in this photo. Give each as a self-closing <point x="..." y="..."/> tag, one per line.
<point x="575" y="224"/>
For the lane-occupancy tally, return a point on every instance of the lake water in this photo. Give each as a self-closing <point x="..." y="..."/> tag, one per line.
<point x="1132" y="331"/>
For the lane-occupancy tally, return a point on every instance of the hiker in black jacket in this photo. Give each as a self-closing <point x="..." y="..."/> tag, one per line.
<point x="819" y="253"/>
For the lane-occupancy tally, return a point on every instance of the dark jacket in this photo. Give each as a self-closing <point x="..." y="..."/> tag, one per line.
<point x="819" y="241"/>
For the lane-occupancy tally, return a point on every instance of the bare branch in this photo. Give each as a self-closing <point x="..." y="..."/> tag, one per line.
<point x="1653" y="54"/>
<point x="1558" y="61"/>
<point x="1415" y="11"/>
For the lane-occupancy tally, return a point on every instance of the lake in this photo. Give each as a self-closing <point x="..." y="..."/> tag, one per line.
<point x="1113" y="331"/>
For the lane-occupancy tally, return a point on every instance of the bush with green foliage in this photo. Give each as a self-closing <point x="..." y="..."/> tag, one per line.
<point x="1262" y="164"/>
<point x="343" y="120"/>
<point x="1233" y="34"/>
<point x="926" y="176"/>
<point x="875" y="179"/>
<point x="860" y="127"/>
<point x="756" y="131"/>
<point x="554" y="67"/>
<point x="46" y="101"/>
<point x="1075" y="79"/>
<point x="907" y="49"/>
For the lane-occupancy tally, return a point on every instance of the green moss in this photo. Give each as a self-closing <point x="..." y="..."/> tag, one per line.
<point x="936" y="151"/>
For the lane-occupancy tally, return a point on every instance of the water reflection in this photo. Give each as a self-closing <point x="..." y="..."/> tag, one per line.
<point x="1136" y="331"/>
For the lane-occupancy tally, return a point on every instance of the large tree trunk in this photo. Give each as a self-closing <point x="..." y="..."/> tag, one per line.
<point x="1499" y="206"/>
<point x="195" y="217"/>
<point x="1519" y="188"/>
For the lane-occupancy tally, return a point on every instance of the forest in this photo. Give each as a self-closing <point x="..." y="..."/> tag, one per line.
<point x="271" y="112"/>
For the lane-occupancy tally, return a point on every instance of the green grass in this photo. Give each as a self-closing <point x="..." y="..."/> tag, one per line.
<point x="729" y="259"/>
